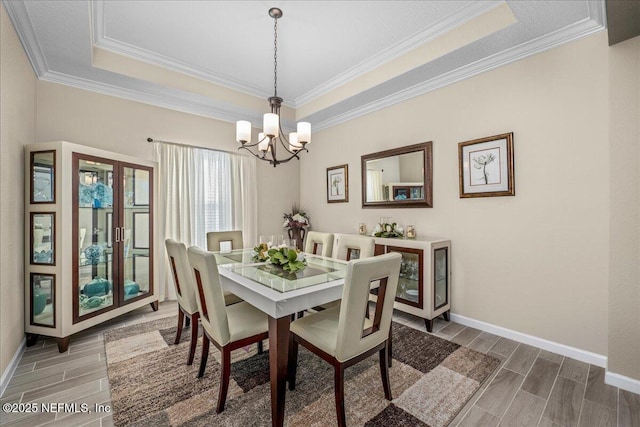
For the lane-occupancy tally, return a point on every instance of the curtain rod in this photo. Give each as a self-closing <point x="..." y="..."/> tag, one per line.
<point x="149" y="139"/>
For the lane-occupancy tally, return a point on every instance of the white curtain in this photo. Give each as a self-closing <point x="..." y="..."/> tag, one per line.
<point x="374" y="186"/>
<point x="202" y="190"/>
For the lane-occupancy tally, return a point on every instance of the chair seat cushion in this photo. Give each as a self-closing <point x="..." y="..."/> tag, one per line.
<point x="321" y="329"/>
<point x="245" y="321"/>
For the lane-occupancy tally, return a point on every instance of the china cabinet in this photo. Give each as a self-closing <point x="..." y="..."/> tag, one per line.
<point x="89" y="238"/>
<point x="424" y="287"/>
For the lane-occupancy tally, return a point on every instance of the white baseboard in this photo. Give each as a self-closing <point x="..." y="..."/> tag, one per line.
<point x="565" y="350"/>
<point x="11" y="368"/>
<point x="622" y="382"/>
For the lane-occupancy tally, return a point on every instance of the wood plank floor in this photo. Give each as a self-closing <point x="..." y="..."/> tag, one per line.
<point x="532" y="387"/>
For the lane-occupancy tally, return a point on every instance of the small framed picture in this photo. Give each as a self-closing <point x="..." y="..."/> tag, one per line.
<point x="338" y="184"/>
<point x="486" y="167"/>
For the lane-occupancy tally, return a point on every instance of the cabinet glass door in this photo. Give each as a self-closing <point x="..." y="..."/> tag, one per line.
<point x="410" y="283"/>
<point x="441" y="277"/>
<point x="136" y="232"/>
<point x="93" y="202"/>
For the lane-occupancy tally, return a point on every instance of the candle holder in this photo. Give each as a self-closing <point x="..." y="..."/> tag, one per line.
<point x="362" y="229"/>
<point x="411" y="232"/>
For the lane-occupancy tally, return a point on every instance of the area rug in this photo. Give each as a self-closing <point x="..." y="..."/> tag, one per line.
<point x="431" y="380"/>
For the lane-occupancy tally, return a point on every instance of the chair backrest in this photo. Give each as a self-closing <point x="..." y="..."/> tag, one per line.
<point x="210" y="296"/>
<point x="214" y="238"/>
<point x="345" y="245"/>
<point x="353" y="339"/>
<point x="182" y="276"/>
<point x="315" y="239"/>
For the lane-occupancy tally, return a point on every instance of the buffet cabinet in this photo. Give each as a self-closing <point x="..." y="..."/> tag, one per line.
<point x="424" y="286"/>
<point x="89" y="238"/>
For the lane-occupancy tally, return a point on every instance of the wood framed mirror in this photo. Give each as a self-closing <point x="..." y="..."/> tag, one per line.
<point x="398" y="178"/>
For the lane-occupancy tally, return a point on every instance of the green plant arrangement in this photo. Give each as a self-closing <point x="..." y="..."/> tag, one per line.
<point x="388" y="230"/>
<point x="260" y="252"/>
<point x="291" y="260"/>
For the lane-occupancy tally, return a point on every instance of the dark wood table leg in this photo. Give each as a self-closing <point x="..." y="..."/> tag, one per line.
<point x="154" y="305"/>
<point x="278" y="358"/>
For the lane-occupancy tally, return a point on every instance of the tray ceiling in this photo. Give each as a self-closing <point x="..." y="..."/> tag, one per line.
<point x="336" y="60"/>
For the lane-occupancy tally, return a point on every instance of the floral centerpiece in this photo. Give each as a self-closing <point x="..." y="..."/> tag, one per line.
<point x="288" y="259"/>
<point x="295" y="223"/>
<point x="388" y="230"/>
<point x="296" y="219"/>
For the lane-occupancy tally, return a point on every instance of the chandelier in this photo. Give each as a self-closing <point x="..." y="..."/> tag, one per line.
<point x="272" y="134"/>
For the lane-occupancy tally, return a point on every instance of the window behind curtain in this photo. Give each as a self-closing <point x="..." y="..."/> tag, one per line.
<point x="201" y="190"/>
<point x="217" y="209"/>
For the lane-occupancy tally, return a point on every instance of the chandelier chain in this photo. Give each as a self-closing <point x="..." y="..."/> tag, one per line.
<point x="275" y="57"/>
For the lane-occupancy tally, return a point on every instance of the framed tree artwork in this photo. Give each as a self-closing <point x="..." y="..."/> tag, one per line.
<point x="338" y="184"/>
<point x="486" y="166"/>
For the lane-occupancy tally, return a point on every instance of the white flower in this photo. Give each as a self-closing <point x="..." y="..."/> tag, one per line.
<point x="377" y="229"/>
<point x="400" y="230"/>
<point x="300" y="218"/>
<point x="388" y="227"/>
<point x="286" y="224"/>
<point x="300" y="256"/>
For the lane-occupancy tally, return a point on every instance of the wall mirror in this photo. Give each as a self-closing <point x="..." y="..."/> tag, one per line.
<point x="401" y="177"/>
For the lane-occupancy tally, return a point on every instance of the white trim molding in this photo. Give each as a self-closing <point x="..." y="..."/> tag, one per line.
<point x="565" y="350"/>
<point x="11" y="368"/>
<point x="622" y="382"/>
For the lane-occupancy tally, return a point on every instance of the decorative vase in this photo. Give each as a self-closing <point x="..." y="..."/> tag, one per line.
<point x="298" y="234"/>
<point x="39" y="301"/>
<point x="93" y="253"/>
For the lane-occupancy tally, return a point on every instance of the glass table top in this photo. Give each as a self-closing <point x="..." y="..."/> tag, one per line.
<point x="319" y="270"/>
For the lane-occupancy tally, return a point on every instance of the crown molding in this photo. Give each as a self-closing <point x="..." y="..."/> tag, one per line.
<point x="102" y="41"/>
<point x="567" y="34"/>
<point x="19" y="16"/>
<point x="467" y="13"/>
<point x="227" y="113"/>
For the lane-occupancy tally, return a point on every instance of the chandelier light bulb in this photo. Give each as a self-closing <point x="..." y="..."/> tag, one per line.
<point x="304" y="132"/>
<point x="293" y="142"/>
<point x="271" y="124"/>
<point x="263" y="142"/>
<point x="243" y="131"/>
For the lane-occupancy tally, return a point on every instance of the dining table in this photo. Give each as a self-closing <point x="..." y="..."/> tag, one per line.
<point x="280" y="294"/>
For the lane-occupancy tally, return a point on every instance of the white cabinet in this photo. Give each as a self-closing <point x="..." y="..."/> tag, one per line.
<point x="89" y="238"/>
<point x="424" y="287"/>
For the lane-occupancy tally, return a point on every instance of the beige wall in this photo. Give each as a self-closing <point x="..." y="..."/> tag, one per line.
<point x="17" y="128"/>
<point x="624" y="277"/>
<point x="110" y="123"/>
<point x="536" y="263"/>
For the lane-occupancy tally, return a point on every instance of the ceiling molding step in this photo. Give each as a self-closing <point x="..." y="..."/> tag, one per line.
<point x="467" y="13"/>
<point x="102" y="41"/>
<point x="160" y="100"/>
<point x="598" y="11"/>
<point x="19" y="16"/>
<point x="572" y="32"/>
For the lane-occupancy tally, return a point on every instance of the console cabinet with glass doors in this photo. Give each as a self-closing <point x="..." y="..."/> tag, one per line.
<point x="90" y="238"/>
<point x="424" y="287"/>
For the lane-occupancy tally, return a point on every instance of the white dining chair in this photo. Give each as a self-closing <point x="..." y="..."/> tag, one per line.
<point x="350" y="247"/>
<point x="319" y="243"/>
<point x="342" y="335"/>
<point x="228" y="327"/>
<point x="216" y="239"/>
<point x="186" y="293"/>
